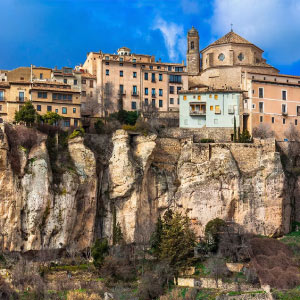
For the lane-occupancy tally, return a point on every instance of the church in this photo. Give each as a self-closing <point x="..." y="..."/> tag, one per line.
<point x="231" y="63"/>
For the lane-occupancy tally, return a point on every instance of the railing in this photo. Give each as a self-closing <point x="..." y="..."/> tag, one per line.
<point x="153" y="95"/>
<point x="175" y="81"/>
<point x="135" y="94"/>
<point x="122" y="93"/>
<point x="153" y="80"/>
<point x="217" y="112"/>
<point x="197" y="113"/>
<point x="21" y="99"/>
<point x="284" y="113"/>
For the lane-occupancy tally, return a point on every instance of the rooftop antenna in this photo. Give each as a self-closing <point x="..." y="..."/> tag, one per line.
<point x="231" y="27"/>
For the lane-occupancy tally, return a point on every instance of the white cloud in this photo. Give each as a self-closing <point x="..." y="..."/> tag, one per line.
<point x="273" y="25"/>
<point x="174" y="37"/>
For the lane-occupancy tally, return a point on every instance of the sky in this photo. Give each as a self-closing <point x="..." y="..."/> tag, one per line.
<point x="60" y="33"/>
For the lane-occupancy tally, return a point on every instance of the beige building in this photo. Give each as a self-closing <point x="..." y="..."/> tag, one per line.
<point x="137" y="80"/>
<point x="35" y="84"/>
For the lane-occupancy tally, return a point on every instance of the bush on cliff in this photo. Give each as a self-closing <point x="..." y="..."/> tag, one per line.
<point x="100" y="251"/>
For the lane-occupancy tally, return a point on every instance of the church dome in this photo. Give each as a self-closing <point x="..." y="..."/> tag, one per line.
<point x="193" y="31"/>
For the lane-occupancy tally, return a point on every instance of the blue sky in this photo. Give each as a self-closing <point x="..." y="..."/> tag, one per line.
<point x="61" y="32"/>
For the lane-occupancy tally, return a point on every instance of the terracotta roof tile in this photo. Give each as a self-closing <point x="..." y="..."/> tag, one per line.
<point x="231" y="37"/>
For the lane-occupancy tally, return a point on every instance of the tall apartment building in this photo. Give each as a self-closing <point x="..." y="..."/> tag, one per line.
<point x="137" y="79"/>
<point x="36" y="84"/>
<point x="273" y="100"/>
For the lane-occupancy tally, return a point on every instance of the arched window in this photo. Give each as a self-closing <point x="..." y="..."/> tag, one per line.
<point x="192" y="45"/>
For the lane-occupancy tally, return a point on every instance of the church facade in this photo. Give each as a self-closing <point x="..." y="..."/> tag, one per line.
<point x="232" y="63"/>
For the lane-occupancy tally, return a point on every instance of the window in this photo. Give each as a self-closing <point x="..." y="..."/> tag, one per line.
<point x="160" y="77"/>
<point x="178" y="69"/>
<point x="121" y="73"/>
<point x="74" y="110"/>
<point x="146" y="76"/>
<point x="107" y="63"/>
<point x="42" y="95"/>
<point x="171" y="89"/>
<point x="158" y="67"/>
<point x="41" y="75"/>
<point x="211" y="108"/>
<point x="221" y="57"/>
<point x="171" y="100"/>
<point x="217" y="110"/>
<point x="216" y="97"/>
<point x="56" y="110"/>
<point x="121" y="64"/>
<point x="241" y="57"/>
<point x="107" y="72"/>
<point x="283" y="121"/>
<point x="298" y="110"/>
<point x="160" y="92"/>
<point x="153" y="92"/>
<point x="160" y="103"/>
<point x="153" y="77"/>
<point x="178" y="89"/>
<point x="21" y="96"/>
<point x="146" y="102"/>
<point x="199" y="97"/>
<point x="75" y="81"/>
<point x="121" y="59"/>
<point x="169" y="68"/>
<point x="178" y="101"/>
<point x="134" y="65"/>
<point x="84" y="93"/>
<point x="91" y="83"/>
<point x="175" y="78"/>
<point x="66" y="123"/>
<point x="153" y="102"/>
<point x="1" y="95"/>
<point x="192" y="45"/>
<point x="83" y="81"/>
<point x="296" y="122"/>
<point x="65" y="80"/>
<point x="133" y="105"/>
<point x="273" y="120"/>
<point x="283" y="95"/>
<point x="39" y="108"/>
<point x="0" y="107"/>
<point x="146" y="91"/>
<point x="134" y="90"/>
<point x="260" y="92"/>
<point x="64" y="110"/>
<point x="106" y="57"/>
<point x="91" y="94"/>
<point x="121" y="89"/>
<point x="184" y="97"/>
<point x="134" y="74"/>
<point x="283" y="108"/>
<point x="76" y="123"/>
<point x="261" y="107"/>
<point x="151" y="67"/>
<point x="134" y="60"/>
<point x="49" y="108"/>
<point x="261" y="119"/>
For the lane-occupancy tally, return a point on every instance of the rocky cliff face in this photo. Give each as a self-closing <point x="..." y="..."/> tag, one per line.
<point x="134" y="182"/>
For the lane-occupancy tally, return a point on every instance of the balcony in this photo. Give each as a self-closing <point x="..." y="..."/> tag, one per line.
<point x="123" y="93"/>
<point x="134" y="94"/>
<point x="175" y="81"/>
<point x="153" y="80"/>
<point x="197" y="112"/>
<point x="284" y="113"/>
<point x="21" y="99"/>
<point x="153" y="95"/>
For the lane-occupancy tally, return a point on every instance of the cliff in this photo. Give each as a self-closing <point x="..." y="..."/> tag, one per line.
<point x="130" y="180"/>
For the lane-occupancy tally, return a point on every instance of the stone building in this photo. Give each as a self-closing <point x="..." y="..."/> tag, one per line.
<point x="233" y="63"/>
<point x="137" y="80"/>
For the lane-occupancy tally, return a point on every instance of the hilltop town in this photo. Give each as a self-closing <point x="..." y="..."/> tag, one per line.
<point x="127" y="177"/>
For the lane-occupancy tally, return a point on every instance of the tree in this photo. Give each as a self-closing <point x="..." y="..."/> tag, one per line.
<point x="26" y="114"/>
<point x="177" y="241"/>
<point x="107" y="102"/>
<point x="99" y="251"/>
<point x="217" y="268"/>
<point x="51" y="118"/>
<point x="92" y="105"/>
<point x="155" y="239"/>
<point x="212" y="233"/>
<point x="263" y="131"/>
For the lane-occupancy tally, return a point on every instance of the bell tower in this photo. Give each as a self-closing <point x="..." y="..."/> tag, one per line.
<point x="193" y="55"/>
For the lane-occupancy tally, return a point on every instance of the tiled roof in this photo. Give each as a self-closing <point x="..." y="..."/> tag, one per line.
<point x="231" y="37"/>
<point x="88" y="75"/>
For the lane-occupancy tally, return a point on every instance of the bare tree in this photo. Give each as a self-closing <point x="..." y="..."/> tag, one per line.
<point x="92" y="106"/>
<point x="293" y="136"/>
<point x="263" y="131"/>
<point x="107" y="98"/>
<point x="217" y="268"/>
<point x="292" y="133"/>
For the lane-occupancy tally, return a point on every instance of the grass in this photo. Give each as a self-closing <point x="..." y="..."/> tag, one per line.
<point x="293" y="294"/>
<point x="81" y="267"/>
<point x="207" y="294"/>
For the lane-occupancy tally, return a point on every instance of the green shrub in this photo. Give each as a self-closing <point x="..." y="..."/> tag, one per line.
<point x="212" y="230"/>
<point x="129" y="127"/>
<point x="77" y="132"/>
<point x="245" y="137"/>
<point x="99" y="126"/>
<point x="51" y="118"/>
<point x="100" y="251"/>
<point x="125" y="117"/>
<point x="207" y="141"/>
<point x="26" y="114"/>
